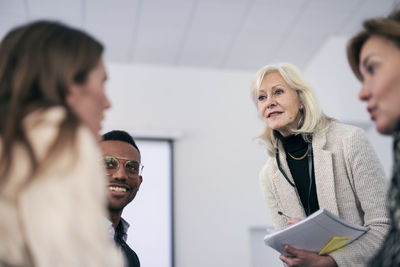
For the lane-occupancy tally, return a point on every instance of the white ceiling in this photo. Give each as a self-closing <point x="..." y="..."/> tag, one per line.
<point x="221" y="34"/>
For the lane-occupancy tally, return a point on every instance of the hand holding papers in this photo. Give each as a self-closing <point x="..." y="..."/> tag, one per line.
<point x="321" y="232"/>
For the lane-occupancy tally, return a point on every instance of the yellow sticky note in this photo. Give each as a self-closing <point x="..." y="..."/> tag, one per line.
<point x="335" y="243"/>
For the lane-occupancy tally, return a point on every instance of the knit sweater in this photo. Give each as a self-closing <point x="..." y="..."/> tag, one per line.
<point x="55" y="218"/>
<point x="389" y="254"/>
<point x="299" y="158"/>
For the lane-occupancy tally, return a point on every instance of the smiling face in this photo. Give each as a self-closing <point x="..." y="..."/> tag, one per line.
<point x="122" y="187"/>
<point x="379" y="67"/>
<point x="88" y="100"/>
<point x="278" y="104"/>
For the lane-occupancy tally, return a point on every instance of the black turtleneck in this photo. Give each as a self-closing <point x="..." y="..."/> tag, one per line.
<point x="297" y="147"/>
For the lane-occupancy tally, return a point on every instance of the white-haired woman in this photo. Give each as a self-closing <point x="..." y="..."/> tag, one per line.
<point x="317" y="162"/>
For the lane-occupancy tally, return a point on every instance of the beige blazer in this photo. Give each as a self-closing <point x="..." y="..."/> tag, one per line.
<point x="350" y="183"/>
<point x="57" y="219"/>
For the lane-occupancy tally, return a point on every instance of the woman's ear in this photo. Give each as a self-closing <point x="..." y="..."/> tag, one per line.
<point x="73" y="95"/>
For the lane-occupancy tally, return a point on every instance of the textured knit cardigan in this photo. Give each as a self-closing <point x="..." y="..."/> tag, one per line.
<point x="389" y="254"/>
<point x="350" y="183"/>
<point x="57" y="219"/>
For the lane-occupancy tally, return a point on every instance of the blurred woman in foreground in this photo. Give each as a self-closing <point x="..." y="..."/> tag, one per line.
<point x="374" y="56"/>
<point x="52" y="186"/>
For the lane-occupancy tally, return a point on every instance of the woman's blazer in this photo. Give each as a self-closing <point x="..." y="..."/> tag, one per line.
<point x="350" y="182"/>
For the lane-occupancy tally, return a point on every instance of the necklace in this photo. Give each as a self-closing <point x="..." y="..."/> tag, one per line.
<point x="299" y="158"/>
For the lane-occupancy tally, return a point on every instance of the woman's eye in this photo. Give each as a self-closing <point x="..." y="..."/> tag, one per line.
<point x="278" y="91"/>
<point x="371" y="69"/>
<point x="261" y="98"/>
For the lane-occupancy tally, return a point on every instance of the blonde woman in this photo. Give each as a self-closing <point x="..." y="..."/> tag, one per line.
<point x="316" y="162"/>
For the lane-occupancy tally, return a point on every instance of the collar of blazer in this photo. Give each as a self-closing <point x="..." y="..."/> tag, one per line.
<point x="324" y="179"/>
<point x="324" y="173"/>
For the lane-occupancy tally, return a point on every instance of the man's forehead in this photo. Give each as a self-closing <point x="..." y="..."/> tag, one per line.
<point x="119" y="149"/>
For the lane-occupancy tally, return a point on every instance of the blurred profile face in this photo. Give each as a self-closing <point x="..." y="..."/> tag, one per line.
<point x="89" y="100"/>
<point x="122" y="186"/>
<point x="278" y="104"/>
<point x="379" y="67"/>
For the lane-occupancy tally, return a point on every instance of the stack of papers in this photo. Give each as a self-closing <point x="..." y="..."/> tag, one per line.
<point x="321" y="232"/>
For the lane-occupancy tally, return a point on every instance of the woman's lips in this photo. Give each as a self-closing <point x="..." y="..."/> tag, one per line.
<point x="371" y="112"/>
<point x="274" y="114"/>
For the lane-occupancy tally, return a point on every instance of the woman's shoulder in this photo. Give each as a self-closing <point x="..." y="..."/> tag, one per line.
<point x="268" y="169"/>
<point x="343" y="130"/>
<point x="43" y="122"/>
<point x="47" y="115"/>
<point x="42" y="128"/>
<point x="269" y="163"/>
<point x="72" y="156"/>
<point x="339" y="134"/>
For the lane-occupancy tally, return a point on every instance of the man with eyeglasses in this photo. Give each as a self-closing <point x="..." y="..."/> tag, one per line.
<point x="124" y="172"/>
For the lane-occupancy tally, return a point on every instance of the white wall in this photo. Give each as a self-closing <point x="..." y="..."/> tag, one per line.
<point x="149" y="215"/>
<point x="217" y="196"/>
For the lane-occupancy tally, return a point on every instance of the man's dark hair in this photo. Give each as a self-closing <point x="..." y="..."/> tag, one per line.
<point x="118" y="135"/>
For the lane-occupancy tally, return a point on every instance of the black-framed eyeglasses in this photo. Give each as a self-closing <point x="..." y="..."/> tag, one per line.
<point x="132" y="168"/>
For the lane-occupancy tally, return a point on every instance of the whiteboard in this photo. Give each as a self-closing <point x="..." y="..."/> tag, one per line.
<point x="150" y="233"/>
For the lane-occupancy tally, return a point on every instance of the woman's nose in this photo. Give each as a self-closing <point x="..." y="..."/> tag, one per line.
<point x="364" y="93"/>
<point x="270" y="102"/>
<point x="107" y="102"/>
